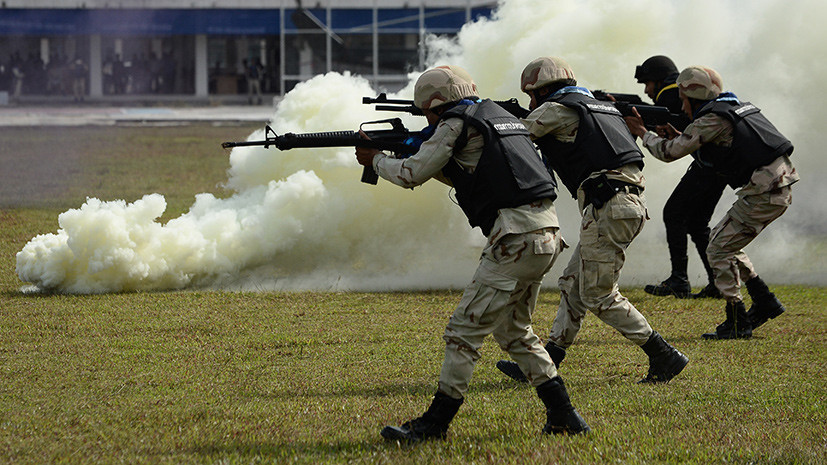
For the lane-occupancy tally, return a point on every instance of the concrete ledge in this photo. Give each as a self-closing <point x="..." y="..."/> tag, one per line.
<point x="44" y="111"/>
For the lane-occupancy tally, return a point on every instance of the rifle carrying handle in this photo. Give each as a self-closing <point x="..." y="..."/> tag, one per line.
<point x="369" y="176"/>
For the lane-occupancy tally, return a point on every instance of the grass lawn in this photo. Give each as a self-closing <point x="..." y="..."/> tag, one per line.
<point x="230" y="377"/>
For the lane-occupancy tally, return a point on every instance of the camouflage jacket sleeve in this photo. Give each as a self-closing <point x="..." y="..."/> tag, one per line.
<point x="708" y="129"/>
<point x="432" y="156"/>
<point x="553" y="118"/>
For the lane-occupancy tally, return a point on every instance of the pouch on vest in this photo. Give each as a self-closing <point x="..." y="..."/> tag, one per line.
<point x="598" y="190"/>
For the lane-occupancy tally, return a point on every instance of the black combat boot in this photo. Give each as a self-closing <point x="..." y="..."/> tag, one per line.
<point x="561" y="417"/>
<point x="433" y="424"/>
<point x="736" y="326"/>
<point x="764" y="303"/>
<point x="512" y="370"/>
<point x="709" y="292"/>
<point x="677" y="284"/>
<point x="665" y="361"/>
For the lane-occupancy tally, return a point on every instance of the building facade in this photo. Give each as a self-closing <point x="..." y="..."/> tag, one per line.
<point x="206" y="48"/>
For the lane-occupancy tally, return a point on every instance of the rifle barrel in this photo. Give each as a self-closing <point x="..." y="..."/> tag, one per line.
<point x="408" y="109"/>
<point x="383" y="99"/>
<point x="250" y="143"/>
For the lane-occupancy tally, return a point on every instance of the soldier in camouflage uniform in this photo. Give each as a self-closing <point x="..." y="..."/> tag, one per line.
<point x="588" y="145"/>
<point x="741" y="145"/>
<point x="501" y="185"/>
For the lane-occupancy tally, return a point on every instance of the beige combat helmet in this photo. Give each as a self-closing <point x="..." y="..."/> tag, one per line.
<point x="544" y="71"/>
<point x="441" y="85"/>
<point x="700" y="82"/>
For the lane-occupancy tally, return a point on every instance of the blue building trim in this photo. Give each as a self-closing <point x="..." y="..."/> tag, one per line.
<point x="141" y="22"/>
<point x="122" y="22"/>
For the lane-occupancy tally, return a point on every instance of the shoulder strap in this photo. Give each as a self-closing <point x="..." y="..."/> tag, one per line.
<point x="462" y="139"/>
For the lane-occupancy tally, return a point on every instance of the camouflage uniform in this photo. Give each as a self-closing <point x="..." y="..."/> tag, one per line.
<point x="521" y="248"/>
<point x="523" y="243"/>
<point x="766" y="197"/>
<point x="589" y="282"/>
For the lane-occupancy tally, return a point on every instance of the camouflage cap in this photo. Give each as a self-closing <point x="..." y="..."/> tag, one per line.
<point x="700" y="82"/>
<point x="441" y="85"/>
<point x="544" y="71"/>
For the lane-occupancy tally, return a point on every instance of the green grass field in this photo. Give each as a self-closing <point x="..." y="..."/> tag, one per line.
<point x="225" y="377"/>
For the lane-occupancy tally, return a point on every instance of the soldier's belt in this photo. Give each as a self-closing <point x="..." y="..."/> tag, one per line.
<point x="601" y="189"/>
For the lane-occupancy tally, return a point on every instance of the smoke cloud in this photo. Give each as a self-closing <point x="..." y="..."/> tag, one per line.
<point x="300" y="219"/>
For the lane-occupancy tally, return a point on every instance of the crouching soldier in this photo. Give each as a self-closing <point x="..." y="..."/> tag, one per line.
<point x="504" y="189"/>
<point x="735" y="140"/>
<point x="588" y="145"/>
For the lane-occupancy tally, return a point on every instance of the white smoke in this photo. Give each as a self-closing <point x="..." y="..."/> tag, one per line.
<point x="300" y="219"/>
<point x="768" y="52"/>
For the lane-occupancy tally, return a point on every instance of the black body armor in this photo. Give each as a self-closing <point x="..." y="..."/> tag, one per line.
<point x="510" y="172"/>
<point x="756" y="142"/>
<point x="603" y="142"/>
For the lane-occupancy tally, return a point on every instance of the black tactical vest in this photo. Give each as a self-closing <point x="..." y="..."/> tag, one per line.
<point x="755" y="142"/>
<point x="603" y="142"/>
<point x="510" y="172"/>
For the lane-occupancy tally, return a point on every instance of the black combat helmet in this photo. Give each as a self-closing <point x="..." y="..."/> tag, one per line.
<point x="656" y="68"/>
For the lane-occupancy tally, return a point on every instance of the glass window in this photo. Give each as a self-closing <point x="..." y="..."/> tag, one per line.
<point x="398" y="53"/>
<point x="303" y="19"/>
<point x="355" y="20"/>
<point x="444" y="19"/>
<point x="401" y="19"/>
<point x="354" y="54"/>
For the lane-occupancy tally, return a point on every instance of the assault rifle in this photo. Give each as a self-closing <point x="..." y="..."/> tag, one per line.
<point x="398" y="139"/>
<point x="383" y="103"/>
<point x="652" y="115"/>
<point x="633" y="99"/>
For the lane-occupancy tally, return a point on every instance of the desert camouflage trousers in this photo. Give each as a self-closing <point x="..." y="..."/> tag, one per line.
<point x="747" y="217"/>
<point x="589" y="282"/>
<point x="500" y="301"/>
